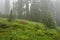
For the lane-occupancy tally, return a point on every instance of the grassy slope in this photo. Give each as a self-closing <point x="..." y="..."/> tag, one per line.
<point x="26" y="30"/>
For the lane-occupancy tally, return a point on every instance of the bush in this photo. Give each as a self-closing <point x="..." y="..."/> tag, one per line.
<point x="4" y="25"/>
<point x="22" y="22"/>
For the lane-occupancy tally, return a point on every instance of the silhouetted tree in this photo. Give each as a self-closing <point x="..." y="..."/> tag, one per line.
<point x="10" y="16"/>
<point x="35" y="12"/>
<point x="6" y="8"/>
<point x="20" y="8"/>
<point x="46" y="14"/>
<point x="58" y="12"/>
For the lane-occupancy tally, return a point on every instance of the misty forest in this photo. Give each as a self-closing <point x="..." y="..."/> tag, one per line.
<point x="29" y="19"/>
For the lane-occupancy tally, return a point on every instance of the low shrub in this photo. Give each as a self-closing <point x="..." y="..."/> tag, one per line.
<point x="4" y="25"/>
<point x="22" y="22"/>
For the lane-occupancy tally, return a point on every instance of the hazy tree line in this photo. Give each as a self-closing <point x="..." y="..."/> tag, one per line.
<point x="58" y="12"/>
<point x="33" y="10"/>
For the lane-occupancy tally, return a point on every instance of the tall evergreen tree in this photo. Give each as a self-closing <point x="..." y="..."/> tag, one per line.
<point x="27" y="9"/>
<point x="35" y="12"/>
<point x="12" y="14"/>
<point x="46" y="14"/>
<point x="58" y="12"/>
<point x="20" y="8"/>
<point x="7" y="8"/>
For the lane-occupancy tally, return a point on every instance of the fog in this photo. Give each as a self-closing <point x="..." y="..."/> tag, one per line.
<point x="54" y="7"/>
<point x="2" y="5"/>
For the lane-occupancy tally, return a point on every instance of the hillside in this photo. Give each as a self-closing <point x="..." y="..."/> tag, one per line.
<point x="26" y="30"/>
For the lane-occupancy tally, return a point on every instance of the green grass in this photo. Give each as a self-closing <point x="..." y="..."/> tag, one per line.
<point x="26" y="30"/>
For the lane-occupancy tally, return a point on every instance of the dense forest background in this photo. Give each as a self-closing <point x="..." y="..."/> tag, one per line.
<point x="34" y="10"/>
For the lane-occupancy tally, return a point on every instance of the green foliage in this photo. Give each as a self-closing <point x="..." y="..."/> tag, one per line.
<point x="29" y="31"/>
<point x="47" y="19"/>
